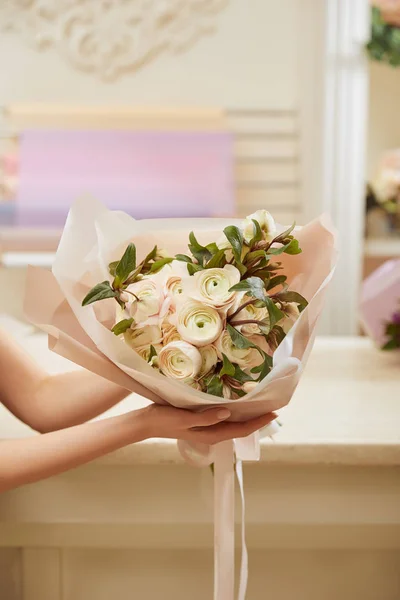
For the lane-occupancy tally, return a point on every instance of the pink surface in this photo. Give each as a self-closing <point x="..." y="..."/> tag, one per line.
<point x="147" y="174"/>
<point x="380" y="296"/>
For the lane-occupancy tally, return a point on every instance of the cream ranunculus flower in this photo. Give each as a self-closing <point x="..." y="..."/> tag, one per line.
<point x="180" y="360"/>
<point x="149" y="299"/>
<point x="209" y="358"/>
<point x="173" y="286"/>
<point x="266" y="222"/>
<point x="198" y="323"/>
<point x="212" y="286"/>
<point x="226" y="391"/>
<point x="246" y="358"/>
<point x="149" y="335"/>
<point x="170" y="334"/>
<point x="292" y="313"/>
<point x="249" y="386"/>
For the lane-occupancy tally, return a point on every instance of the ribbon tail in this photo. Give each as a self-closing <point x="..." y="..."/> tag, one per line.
<point x="244" y="566"/>
<point x="224" y="522"/>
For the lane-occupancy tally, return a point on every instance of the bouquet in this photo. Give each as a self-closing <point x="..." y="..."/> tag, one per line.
<point x="211" y="318"/>
<point x="379" y="305"/>
<point x="228" y="320"/>
<point x="392" y="332"/>
<point x="384" y="44"/>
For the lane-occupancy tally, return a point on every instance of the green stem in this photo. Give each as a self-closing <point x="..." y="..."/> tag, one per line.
<point x="242" y="307"/>
<point x="246" y="322"/>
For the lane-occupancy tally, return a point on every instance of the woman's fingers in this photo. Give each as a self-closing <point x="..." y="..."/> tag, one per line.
<point x="208" y="417"/>
<point x="227" y="431"/>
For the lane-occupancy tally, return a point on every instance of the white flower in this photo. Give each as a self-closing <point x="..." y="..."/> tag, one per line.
<point x="249" y="386"/>
<point x="149" y="299"/>
<point x="212" y="286"/>
<point x="170" y="334"/>
<point x="266" y="222"/>
<point x="198" y="323"/>
<point x="209" y="358"/>
<point x="143" y="336"/>
<point x="180" y="360"/>
<point x="387" y="185"/>
<point x="292" y="312"/>
<point x="246" y="358"/>
<point x="226" y="391"/>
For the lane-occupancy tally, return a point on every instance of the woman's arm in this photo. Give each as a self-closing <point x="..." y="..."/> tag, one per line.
<point x="31" y="459"/>
<point x="49" y="402"/>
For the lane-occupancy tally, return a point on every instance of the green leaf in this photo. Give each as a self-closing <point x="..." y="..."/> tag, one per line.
<point x="136" y="272"/>
<point x="239" y="340"/>
<point x="159" y="264"/>
<point x="122" y="326"/>
<point x="275" y="281"/>
<point x="241" y="375"/>
<point x="292" y="297"/>
<point x="192" y="268"/>
<point x="151" y="255"/>
<point x="183" y="258"/>
<point x="217" y="260"/>
<point x="227" y="367"/>
<point x="112" y="266"/>
<point x="275" y="337"/>
<point x="239" y="392"/>
<point x="277" y="251"/>
<point x="263" y="274"/>
<point x="213" y="248"/>
<point x="235" y="238"/>
<point x="253" y="286"/>
<point x="274" y="313"/>
<point x="126" y="265"/>
<point x="101" y="291"/>
<point x="200" y="252"/>
<point x="293" y="247"/>
<point x="393" y="329"/>
<point x="282" y="236"/>
<point x="257" y="237"/>
<point x="391" y="345"/>
<point x="253" y="255"/>
<point x="215" y="386"/>
<point x="264" y="368"/>
<point x="153" y="353"/>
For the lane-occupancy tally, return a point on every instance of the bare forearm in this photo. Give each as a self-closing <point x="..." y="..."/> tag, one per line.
<point x="29" y="460"/>
<point x="49" y="402"/>
<point x="72" y="398"/>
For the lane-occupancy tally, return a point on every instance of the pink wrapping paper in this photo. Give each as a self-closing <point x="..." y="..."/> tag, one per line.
<point x="93" y="237"/>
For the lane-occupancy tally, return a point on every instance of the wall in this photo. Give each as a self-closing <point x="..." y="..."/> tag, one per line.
<point x="254" y="60"/>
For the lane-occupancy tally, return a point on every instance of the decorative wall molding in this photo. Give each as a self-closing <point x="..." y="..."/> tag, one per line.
<point x="109" y="37"/>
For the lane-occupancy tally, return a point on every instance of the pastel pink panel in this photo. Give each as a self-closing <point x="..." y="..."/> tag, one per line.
<point x="147" y="174"/>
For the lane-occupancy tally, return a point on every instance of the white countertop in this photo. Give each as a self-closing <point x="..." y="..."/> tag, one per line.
<point x="346" y="409"/>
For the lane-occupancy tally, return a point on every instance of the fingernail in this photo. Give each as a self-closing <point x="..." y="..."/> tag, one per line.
<point x="224" y="413"/>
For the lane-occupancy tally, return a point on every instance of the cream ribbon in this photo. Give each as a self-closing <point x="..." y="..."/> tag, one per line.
<point x="223" y="456"/>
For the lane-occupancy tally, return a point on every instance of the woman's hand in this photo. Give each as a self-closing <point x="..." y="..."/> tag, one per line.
<point x="208" y="427"/>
